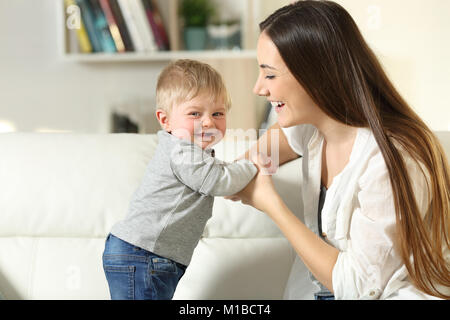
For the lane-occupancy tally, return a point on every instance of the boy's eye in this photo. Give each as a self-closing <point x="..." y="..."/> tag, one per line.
<point x="195" y="114"/>
<point x="218" y="114"/>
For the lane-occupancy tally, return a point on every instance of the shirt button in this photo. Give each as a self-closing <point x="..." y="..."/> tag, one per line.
<point x="372" y="293"/>
<point x="324" y="234"/>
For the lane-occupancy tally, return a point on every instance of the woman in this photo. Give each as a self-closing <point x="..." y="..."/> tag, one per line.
<point x="383" y="229"/>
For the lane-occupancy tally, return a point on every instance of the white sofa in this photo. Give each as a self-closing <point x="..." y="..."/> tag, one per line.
<point x="61" y="193"/>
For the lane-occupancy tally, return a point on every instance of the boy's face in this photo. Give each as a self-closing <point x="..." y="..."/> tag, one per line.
<point x="199" y="120"/>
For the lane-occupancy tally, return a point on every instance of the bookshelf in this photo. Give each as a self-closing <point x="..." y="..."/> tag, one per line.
<point x="69" y="48"/>
<point x="238" y="67"/>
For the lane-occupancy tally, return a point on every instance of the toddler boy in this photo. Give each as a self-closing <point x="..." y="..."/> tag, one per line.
<point x="147" y="253"/>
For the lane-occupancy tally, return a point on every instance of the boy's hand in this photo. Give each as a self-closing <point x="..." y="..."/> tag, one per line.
<point x="263" y="163"/>
<point x="260" y="192"/>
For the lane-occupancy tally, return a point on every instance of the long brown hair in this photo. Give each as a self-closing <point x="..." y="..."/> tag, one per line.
<point x="323" y="48"/>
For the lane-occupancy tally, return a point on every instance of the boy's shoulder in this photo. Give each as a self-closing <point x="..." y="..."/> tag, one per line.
<point x="169" y="143"/>
<point x="166" y="139"/>
<point x="177" y="152"/>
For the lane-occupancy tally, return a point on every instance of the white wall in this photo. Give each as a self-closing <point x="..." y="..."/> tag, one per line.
<point x="412" y="39"/>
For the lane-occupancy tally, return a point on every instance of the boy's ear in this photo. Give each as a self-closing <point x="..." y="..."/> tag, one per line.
<point x="163" y="119"/>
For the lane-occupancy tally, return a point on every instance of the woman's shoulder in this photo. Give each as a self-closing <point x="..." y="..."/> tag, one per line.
<point x="376" y="164"/>
<point x="376" y="178"/>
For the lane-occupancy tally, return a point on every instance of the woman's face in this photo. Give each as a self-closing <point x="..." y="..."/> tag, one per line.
<point x="275" y="82"/>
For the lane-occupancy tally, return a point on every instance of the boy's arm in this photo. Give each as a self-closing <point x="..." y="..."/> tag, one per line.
<point x="230" y="178"/>
<point x="205" y="174"/>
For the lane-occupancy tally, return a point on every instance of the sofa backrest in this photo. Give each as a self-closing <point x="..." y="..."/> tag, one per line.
<point x="68" y="185"/>
<point x="59" y="196"/>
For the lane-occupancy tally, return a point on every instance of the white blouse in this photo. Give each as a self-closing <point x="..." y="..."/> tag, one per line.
<point x="358" y="217"/>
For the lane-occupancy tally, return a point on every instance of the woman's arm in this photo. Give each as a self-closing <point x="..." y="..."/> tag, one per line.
<point x="317" y="255"/>
<point x="265" y="142"/>
<point x="260" y="193"/>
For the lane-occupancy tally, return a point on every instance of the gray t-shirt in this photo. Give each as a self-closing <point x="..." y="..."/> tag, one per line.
<point x="169" y="210"/>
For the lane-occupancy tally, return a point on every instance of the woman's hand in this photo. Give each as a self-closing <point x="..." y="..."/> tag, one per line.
<point x="260" y="192"/>
<point x="319" y="256"/>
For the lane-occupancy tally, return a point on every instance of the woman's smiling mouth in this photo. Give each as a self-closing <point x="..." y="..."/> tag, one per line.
<point x="278" y="105"/>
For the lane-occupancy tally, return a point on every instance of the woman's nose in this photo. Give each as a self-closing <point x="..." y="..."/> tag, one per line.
<point x="259" y="89"/>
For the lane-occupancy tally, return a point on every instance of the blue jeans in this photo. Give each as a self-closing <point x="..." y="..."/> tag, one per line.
<point x="137" y="274"/>
<point x="323" y="296"/>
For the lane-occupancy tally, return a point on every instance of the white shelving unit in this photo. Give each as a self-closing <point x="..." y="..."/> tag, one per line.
<point x="160" y="56"/>
<point x="169" y="10"/>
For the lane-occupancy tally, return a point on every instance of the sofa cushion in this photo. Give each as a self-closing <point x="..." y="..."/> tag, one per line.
<point x="52" y="268"/>
<point x="68" y="185"/>
<point x="252" y="268"/>
<point x="76" y="185"/>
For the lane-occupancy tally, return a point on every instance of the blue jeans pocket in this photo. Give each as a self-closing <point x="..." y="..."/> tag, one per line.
<point x="163" y="265"/>
<point x="119" y="277"/>
<point x="135" y="273"/>
<point x="164" y="275"/>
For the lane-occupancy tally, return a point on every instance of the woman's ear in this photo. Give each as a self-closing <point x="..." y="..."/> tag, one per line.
<point x="163" y="119"/>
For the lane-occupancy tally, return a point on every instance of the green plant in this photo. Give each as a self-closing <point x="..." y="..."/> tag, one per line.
<point x="196" y="13"/>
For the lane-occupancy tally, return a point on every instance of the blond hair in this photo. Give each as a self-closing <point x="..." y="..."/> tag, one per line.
<point x="184" y="79"/>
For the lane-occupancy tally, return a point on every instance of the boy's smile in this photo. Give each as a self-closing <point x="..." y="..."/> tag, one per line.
<point x="205" y="136"/>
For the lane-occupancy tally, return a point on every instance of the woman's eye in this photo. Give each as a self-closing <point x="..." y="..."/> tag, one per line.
<point x="270" y="77"/>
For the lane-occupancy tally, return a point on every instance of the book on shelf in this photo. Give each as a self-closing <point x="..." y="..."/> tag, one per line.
<point x="117" y="26"/>
<point x="102" y="27"/>
<point x="113" y="27"/>
<point x="156" y="24"/>
<point x="135" y="35"/>
<point x="88" y="19"/>
<point x="84" y="44"/>
<point x="143" y="26"/>
<point x="123" y="29"/>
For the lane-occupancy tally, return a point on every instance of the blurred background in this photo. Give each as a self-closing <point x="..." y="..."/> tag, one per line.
<point x="56" y="77"/>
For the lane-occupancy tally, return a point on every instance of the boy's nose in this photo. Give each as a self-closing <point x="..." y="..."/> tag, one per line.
<point x="207" y="121"/>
